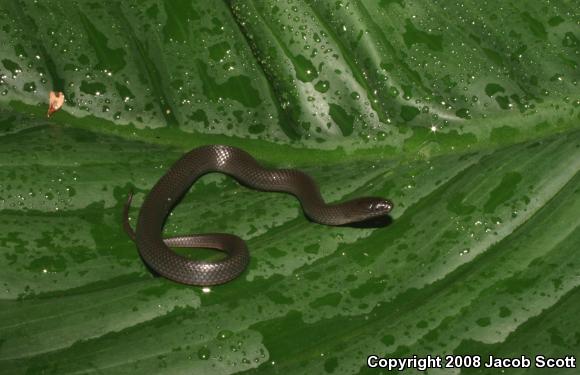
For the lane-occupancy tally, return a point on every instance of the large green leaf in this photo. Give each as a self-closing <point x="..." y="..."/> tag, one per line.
<point x="465" y="114"/>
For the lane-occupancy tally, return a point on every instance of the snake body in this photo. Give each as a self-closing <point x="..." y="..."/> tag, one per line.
<point x="167" y="192"/>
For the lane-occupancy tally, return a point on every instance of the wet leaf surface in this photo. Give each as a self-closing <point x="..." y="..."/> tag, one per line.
<point x="465" y="115"/>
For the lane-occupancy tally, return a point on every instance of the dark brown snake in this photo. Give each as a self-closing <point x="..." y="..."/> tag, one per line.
<point x="234" y="162"/>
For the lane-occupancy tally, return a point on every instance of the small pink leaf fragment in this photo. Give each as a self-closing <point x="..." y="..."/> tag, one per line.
<point x="55" y="101"/>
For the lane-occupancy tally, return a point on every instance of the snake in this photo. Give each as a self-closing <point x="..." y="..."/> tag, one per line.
<point x="156" y="252"/>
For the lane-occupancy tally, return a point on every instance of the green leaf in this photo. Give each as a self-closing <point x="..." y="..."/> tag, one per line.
<point x="464" y="114"/>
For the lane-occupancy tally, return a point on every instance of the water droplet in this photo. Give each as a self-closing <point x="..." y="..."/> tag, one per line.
<point x="222" y="335"/>
<point x="203" y="353"/>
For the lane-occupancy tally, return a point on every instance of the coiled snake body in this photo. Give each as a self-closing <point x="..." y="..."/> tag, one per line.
<point x="232" y="161"/>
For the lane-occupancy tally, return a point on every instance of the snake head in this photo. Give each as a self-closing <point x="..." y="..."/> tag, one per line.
<point x="362" y="209"/>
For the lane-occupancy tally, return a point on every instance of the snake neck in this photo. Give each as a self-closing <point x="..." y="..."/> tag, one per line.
<point x="327" y="214"/>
